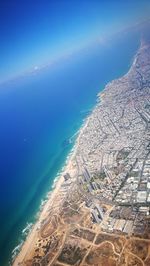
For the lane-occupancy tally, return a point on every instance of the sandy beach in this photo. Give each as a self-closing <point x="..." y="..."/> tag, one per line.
<point x="31" y="238"/>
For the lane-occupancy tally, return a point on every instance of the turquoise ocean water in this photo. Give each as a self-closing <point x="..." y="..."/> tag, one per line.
<point x="39" y="113"/>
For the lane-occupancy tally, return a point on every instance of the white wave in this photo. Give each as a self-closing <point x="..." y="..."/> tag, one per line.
<point x="55" y="181"/>
<point x="43" y="203"/>
<point x="62" y="170"/>
<point x="16" y="250"/>
<point x="72" y="139"/>
<point x="27" y="229"/>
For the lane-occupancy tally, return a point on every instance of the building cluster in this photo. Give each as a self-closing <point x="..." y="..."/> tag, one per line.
<point x="126" y="220"/>
<point x="113" y="153"/>
<point x="117" y="226"/>
<point x="136" y="189"/>
<point x="114" y="157"/>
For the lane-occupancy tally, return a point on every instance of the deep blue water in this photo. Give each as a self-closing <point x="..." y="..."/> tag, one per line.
<point x="38" y="114"/>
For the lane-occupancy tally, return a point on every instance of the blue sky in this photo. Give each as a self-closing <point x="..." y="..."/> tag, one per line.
<point x="34" y="32"/>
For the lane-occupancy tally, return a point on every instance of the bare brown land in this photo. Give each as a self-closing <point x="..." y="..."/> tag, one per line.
<point x="100" y="215"/>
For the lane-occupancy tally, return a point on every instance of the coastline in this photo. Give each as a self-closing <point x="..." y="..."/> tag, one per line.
<point x="46" y="204"/>
<point x="44" y="207"/>
<point x="68" y="167"/>
<point x="58" y="181"/>
<point x="60" y="151"/>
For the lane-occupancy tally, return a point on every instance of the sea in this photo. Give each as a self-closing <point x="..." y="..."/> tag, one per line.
<point x="40" y="116"/>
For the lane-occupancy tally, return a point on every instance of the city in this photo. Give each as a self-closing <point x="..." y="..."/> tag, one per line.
<point x="100" y="213"/>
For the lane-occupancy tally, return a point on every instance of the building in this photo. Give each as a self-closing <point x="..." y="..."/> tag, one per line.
<point x="67" y="176"/>
<point x="148" y="198"/>
<point x="94" y="185"/>
<point x="86" y="175"/>
<point x="128" y="227"/>
<point x="119" y="224"/>
<point x="89" y="188"/>
<point x="141" y="196"/>
<point x="95" y="216"/>
<point x="100" y="211"/>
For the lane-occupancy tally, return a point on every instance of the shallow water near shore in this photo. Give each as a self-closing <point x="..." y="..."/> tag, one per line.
<point x="39" y="115"/>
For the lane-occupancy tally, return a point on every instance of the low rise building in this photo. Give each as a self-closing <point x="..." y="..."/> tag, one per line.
<point x="141" y="196"/>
